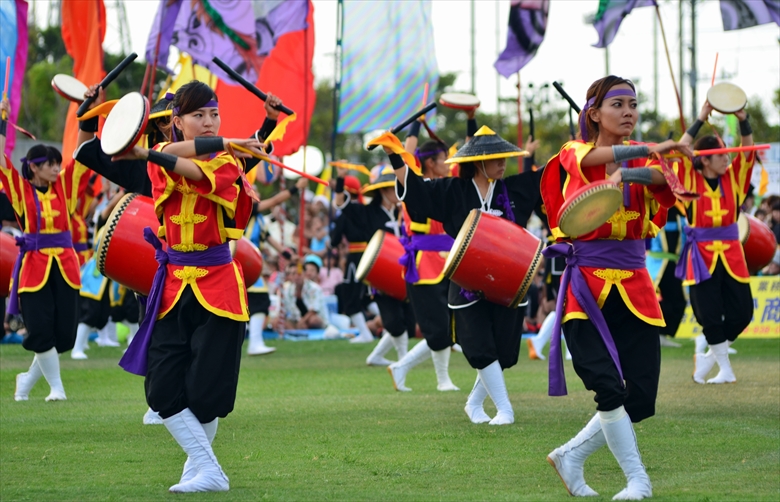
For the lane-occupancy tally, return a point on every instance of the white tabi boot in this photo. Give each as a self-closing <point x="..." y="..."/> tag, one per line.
<point x="82" y="340"/>
<point x="401" y="344"/>
<point x="189" y="471"/>
<point x="49" y="362"/>
<point x="107" y="335"/>
<point x="377" y="356"/>
<point x="475" y="403"/>
<point x="569" y="460"/>
<point x="151" y="417"/>
<point x="27" y="380"/>
<point x="721" y="355"/>
<point x="441" y="363"/>
<point x="399" y="370"/>
<point x="493" y="379"/>
<point x="702" y="365"/>
<point x="701" y="344"/>
<point x="257" y="346"/>
<point x="191" y="436"/>
<point x="364" y="334"/>
<point x="537" y="343"/>
<point x="621" y="439"/>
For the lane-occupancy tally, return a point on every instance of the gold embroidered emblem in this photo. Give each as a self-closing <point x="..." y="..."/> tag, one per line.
<point x="190" y="274"/>
<point x="717" y="247"/>
<point x="623" y="217"/>
<point x="184" y="189"/>
<point x="180" y="219"/>
<point x="187" y="248"/>
<point x="613" y="275"/>
<point x="52" y="251"/>
<point x="716" y="213"/>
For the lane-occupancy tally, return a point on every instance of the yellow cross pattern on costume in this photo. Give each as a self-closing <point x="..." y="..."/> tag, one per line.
<point x="717" y="247"/>
<point x="189" y="274"/>
<point x="48" y="213"/>
<point x="181" y="219"/>
<point x="716" y="213"/>
<point x="619" y="221"/>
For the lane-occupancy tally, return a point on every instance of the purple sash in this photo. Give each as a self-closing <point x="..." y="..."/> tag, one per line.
<point x="33" y="242"/>
<point x="629" y="254"/>
<point x="419" y="242"/>
<point x="134" y="359"/>
<point x="694" y="235"/>
<point x="80" y="247"/>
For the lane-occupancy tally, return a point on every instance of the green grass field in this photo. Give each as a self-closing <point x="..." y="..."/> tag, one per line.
<point x="312" y="422"/>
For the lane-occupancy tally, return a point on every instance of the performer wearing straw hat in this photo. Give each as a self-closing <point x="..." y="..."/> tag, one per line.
<point x="488" y="333"/>
<point x="189" y="343"/>
<point x="610" y="312"/>
<point x="712" y="262"/>
<point x="46" y="273"/>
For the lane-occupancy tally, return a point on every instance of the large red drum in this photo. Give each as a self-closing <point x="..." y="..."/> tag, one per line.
<point x="758" y="242"/>
<point x="247" y="254"/>
<point x="495" y="258"/>
<point x="8" y="253"/>
<point x="379" y="265"/>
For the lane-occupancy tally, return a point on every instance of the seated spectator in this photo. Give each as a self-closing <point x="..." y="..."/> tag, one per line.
<point x="302" y="302"/>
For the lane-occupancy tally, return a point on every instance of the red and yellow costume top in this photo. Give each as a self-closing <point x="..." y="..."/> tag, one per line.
<point x="78" y="223"/>
<point x="564" y="175"/>
<point x="717" y="207"/>
<point x="197" y="215"/>
<point x="57" y="205"/>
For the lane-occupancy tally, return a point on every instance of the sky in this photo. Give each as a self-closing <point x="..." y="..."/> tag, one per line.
<point x="748" y="58"/>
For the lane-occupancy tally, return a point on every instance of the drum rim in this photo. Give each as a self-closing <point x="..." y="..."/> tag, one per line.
<point x="727" y="85"/>
<point x="746" y="219"/>
<point x="139" y="130"/>
<point x="457" y="106"/>
<point x="529" y="276"/>
<point x="372" y="256"/>
<point x="62" y="93"/>
<point x="109" y="228"/>
<point x="461" y="243"/>
<point x="599" y="187"/>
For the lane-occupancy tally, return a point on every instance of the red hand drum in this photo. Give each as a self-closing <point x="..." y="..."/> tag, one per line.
<point x="495" y="258"/>
<point x="758" y="242"/>
<point x="125" y="124"/>
<point x="250" y="259"/>
<point x="8" y="253"/>
<point x="589" y="207"/>
<point x="69" y="87"/>
<point x="123" y="255"/>
<point x="459" y="100"/>
<point x="379" y="265"/>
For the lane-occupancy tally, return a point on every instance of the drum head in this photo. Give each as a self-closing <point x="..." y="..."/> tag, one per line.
<point x="461" y="244"/>
<point x="125" y="124"/>
<point x="743" y="223"/>
<point x="459" y="100"/>
<point x="589" y="208"/>
<point x="726" y="97"/>
<point x="370" y="255"/>
<point x="68" y="87"/>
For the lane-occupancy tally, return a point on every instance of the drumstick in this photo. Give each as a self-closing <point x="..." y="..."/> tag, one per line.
<point x="531" y="122"/>
<point x="7" y="74"/>
<point x="718" y="151"/>
<point x="430" y="106"/>
<point x="103" y="83"/>
<point x="566" y="97"/>
<point x="248" y="85"/>
<point x="271" y="161"/>
<point x="714" y="70"/>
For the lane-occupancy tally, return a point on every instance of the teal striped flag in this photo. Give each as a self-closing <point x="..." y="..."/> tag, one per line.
<point x="387" y="57"/>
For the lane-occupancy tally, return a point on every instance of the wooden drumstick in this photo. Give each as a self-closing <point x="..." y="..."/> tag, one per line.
<point x="430" y="106"/>
<point x="113" y="74"/>
<point x="566" y="97"/>
<point x="271" y="161"/>
<point x="248" y="85"/>
<point x="5" y="88"/>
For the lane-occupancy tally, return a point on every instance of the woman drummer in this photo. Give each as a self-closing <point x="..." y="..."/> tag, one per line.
<point x="46" y="274"/>
<point x="712" y="262"/>
<point x="488" y="333"/>
<point x="196" y="312"/>
<point x="610" y="314"/>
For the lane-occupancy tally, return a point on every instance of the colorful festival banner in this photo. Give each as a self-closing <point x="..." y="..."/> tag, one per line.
<point x="740" y="14"/>
<point x="13" y="44"/>
<point x="527" y="24"/>
<point x="387" y="57"/>
<point x="766" y="311"/>
<point x="611" y="14"/>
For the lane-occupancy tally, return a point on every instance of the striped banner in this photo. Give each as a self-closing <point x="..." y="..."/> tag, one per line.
<point x="388" y="56"/>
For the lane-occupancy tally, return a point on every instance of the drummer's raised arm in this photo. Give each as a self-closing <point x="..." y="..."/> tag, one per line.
<point x="744" y="127"/>
<point x="88" y="128"/>
<point x="693" y="130"/>
<point x="412" y="140"/>
<point x="471" y="124"/>
<point x="5" y="109"/>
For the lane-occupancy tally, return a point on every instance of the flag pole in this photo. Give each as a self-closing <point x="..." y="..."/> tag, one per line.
<point x="336" y="99"/>
<point x="519" y="121"/>
<point x="671" y="70"/>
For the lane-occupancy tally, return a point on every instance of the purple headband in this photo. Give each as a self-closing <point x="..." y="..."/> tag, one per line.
<point x="169" y="97"/>
<point x="26" y="173"/>
<point x="422" y="155"/>
<point x="591" y="101"/>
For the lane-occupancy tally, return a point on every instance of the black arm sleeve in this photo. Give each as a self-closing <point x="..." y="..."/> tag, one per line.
<point x="266" y="129"/>
<point x="427" y="199"/>
<point x="129" y="174"/>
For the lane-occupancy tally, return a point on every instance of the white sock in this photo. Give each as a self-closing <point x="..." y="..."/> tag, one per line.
<point x="49" y="362"/>
<point x="359" y="321"/>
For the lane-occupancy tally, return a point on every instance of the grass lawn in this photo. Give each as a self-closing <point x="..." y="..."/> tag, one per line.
<point x="312" y="422"/>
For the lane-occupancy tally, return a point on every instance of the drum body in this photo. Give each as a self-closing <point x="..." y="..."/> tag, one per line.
<point x="589" y="207"/>
<point x="379" y="265"/>
<point x="494" y="257"/>
<point x="69" y="87"/>
<point x="8" y="253"/>
<point x="125" y="124"/>
<point x="123" y="255"/>
<point x="459" y="100"/>
<point x="758" y="242"/>
<point x="247" y="254"/>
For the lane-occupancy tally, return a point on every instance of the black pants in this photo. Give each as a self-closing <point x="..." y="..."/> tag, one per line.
<point x="50" y="314"/>
<point x="128" y="310"/>
<point x="351" y="292"/>
<point x="429" y="303"/>
<point x="488" y="332"/>
<point x="672" y="300"/>
<point x="258" y="303"/>
<point x="95" y="313"/>
<point x="639" y="351"/>
<point x="397" y="316"/>
<point x="193" y="359"/>
<point x="722" y="305"/>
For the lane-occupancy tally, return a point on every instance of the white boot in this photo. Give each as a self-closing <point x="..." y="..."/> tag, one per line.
<point x="701" y="344"/>
<point x="569" y="460"/>
<point x="49" y="362"/>
<point x="721" y="355"/>
<point x="621" y="439"/>
<point x="492" y="378"/>
<point x="132" y="329"/>
<point x="364" y="336"/>
<point x="82" y="340"/>
<point x="189" y="471"/>
<point x="401" y="344"/>
<point x="107" y="335"/>
<point x="732" y="350"/>
<point x="399" y="370"/>
<point x="189" y="433"/>
<point x="668" y="341"/>
<point x="537" y="343"/>
<point x="441" y="363"/>
<point x="257" y="346"/>
<point x="702" y="365"/>
<point x="475" y="403"/>
<point x="377" y="356"/>
<point x="151" y="417"/>
<point x="26" y="381"/>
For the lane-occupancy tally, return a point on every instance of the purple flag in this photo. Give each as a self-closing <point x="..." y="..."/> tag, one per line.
<point x="527" y="24"/>
<point x="739" y="14"/>
<point x="611" y="14"/>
